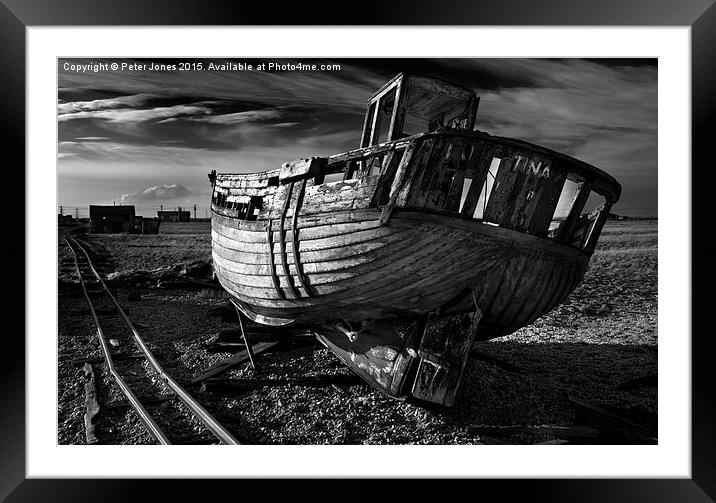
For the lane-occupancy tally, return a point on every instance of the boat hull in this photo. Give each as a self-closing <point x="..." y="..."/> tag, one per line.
<point x="349" y="266"/>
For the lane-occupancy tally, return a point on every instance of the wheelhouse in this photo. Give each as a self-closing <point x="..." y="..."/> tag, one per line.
<point x="408" y="105"/>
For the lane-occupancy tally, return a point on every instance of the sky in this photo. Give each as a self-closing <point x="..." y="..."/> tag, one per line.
<point x="148" y="135"/>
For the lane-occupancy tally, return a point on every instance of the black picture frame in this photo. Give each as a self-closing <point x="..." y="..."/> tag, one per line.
<point x="700" y="15"/>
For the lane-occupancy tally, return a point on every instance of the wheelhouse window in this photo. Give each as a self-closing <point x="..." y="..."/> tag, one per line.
<point x="385" y="116"/>
<point x="427" y="111"/>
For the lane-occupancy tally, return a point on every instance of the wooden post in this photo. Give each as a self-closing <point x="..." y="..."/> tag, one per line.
<point x="367" y="124"/>
<point x="472" y="113"/>
<point x="249" y="349"/>
<point x="284" y="258"/>
<point x="396" y="120"/>
<point x="351" y="167"/>
<point x="443" y="352"/>
<point x="376" y="122"/>
<point x="398" y="183"/>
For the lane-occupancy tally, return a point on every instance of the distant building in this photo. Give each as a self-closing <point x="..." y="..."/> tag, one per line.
<point x="148" y="225"/>
<point x="64" y="220"/>
<point x="174" y="216"/>
<point x="111" y="219"/>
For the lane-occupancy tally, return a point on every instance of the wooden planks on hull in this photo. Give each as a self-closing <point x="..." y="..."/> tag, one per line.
<point x="534" y="298"/>
<point x="344" y="195"/>
<point x="309" y="256"/>
<point x="391" y="268"/>
<point x="316" y="262"/>
<point x="376" y="296"/>
<point x="326" y="220"/>
<point x="393" y="272"/>
<point x="235" y="240"/>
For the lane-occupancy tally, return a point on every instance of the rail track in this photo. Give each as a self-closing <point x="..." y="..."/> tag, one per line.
<point x="135" y="376"/>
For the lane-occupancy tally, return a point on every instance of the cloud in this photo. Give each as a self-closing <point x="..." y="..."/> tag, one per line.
<point x="136" y="115"/>
<point x="242" y="117"/>
<point x="157" y="193"/>
<point x="132" y="101"/>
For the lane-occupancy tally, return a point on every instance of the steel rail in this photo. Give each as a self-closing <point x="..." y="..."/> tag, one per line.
<point x="204" y="416"/>
<point x="148" y="421"/>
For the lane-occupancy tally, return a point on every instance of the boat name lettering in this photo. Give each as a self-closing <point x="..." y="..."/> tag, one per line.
<point x="531" y="168"/>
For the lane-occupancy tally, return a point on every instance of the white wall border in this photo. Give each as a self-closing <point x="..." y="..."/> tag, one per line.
<point x="671" y="458"/>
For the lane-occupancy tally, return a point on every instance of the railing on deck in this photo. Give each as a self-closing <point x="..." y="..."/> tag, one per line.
<point x="499" y="181"/>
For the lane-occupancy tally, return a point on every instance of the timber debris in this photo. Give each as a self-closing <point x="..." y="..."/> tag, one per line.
<point x="91" y="404"/>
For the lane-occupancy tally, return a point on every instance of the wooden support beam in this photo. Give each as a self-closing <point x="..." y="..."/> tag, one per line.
<point x="255" y="332"/>
<point x="472" y="113"/>
<point x="387" y="173"/>
<point x="398" y="117"/>
<point x="294" y="239"/>
<point x="235" y="347"/>
<point x="376" y="122"/>
<point x="372" y="151"/>
<point x="454" y="194"/>
<point x="272" y="263"/>
<point x="284" y="259"/>
<point x="444" y="351"/>
<point x="351" y="168"/>
<point x="398" y="182"/>
<point x="232" y="361"/>
<point x="249" y="350"/>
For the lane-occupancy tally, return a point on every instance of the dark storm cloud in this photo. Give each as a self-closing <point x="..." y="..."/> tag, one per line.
<point x="498" y="73"/>
<point x="65" y="94"/>
<point x="451" y="69"/>
<point x="215" y="110"/>
<point x="601" y="114"/>
<point x="621" y="62"/>
<point x="601" y="111"/>
<point x="218" y="125"/>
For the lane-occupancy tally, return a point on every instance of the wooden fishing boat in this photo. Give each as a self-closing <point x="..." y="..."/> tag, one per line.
<point x="406" y="250"/>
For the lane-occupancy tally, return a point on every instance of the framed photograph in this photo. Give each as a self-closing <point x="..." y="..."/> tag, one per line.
<point x="170" y="155"/>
